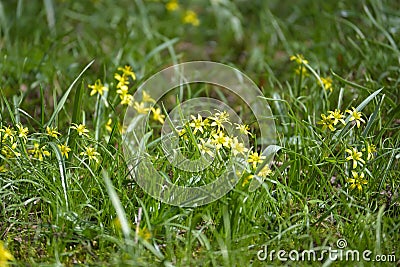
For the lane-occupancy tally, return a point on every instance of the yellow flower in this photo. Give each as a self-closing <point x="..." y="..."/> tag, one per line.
<point x="157" y="116"/>
<point x="97" y="88"/>
<point x="126" y="99"/>
<point x="140" y="108"/>
<point x="243" y="128"/>
<point x="190" y="17"/>
<point x="91" y="153"/>
<point x="146" y="97"/>
<point x="219" y="140"/>
<point x="5" y="256"/>
<point x="355" y="156"/>
<point x="22" y="132"/>
<point x="108" y="125"/>
<point x="265" y="171"/>
<point x="336" y="116"/>
<point x="127" y="71"/>
<point x="122" y="81"/>
<point x="357" y="181"/>
<point x="172" y="5"/>
<point x="3" y="169"/>
<point x="8" y="133"/>
<point x="38" y="152"/>
<point x="198" y="123"/>
<point x="123" y="90"/>
<point x="219" y="118"/>
<point x="10" y="152"/>
<point x="247" y="179"/>
<point x="52" y="132"/>
<point x="299" y="58"/>
<point x="301" y="70"/>
<point x="371" y="149"/>
<point x="356" y="116"/>
<point x="205" y="147"/>
<point x="237" y="147"/>
<point x="181" y="132"/>
<point x="144" y="234"/>
<point x="327" y="82"/>
<point x="81" y="129"/>
<point x="254" y="158"/>
<point x="64" y="150"/>
<point x="13" y="148"/>
<point x="326" y="122"/>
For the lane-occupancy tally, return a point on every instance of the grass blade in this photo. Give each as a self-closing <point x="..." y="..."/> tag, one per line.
<point x="64" y="98"/>
<point x="126" y="230"/>
<point x="61" y="166"/>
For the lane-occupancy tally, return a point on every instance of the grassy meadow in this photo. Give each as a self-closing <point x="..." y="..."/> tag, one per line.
<point x="69" y="70"/>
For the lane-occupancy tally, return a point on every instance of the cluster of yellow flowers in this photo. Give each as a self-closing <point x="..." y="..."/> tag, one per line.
<point x="122" y="86"/>
<point x="357" y="179"/>
<point x="123" y="83"/>
<point x="15" y="142"/>
<point x="143" y="107"/>
<point x="336" y="116"/>
<point x="301" y="70"/>
<point x="212" y="139"/>
<point x="189" y="16"/>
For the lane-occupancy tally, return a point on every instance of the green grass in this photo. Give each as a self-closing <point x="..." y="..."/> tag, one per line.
<point x="74" y="211"/>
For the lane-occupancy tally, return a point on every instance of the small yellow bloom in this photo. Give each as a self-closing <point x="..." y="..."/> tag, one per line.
<point x="172" y="5"/>
<point x="220" y="139"/>
<point x="299" y="58"/>
<point x="52" y="132"/>
<point x="190" y="17"/>
<point x="326" y="122"/>
<point x="22" y="132"/>
<point x="237" y="147"/>
<point x="247" y="179"/>
<point x="108" y="125"/>
<point x="64" y="150"/>
<point x="265" y="171"/>
<point x="371" y="149"/>
<point x="357" y="180"/>
<point x="97" y="88"/>
<point x="157" y="116"/>
<point x="38" y="152"/>
<point x="126" y="99"/>
<point x="219" y="118"/>
<point x="123" y="90"/>
<point x="122" y="81"/>
<point x="254" y="158"/>
<point x="147" y="98"/>
<point x="81" y="129"/>
<point x="5" y="256"/>
<point x="127" y="71"/>
<point x="327" y="82"/>
<point x="336" y="117"/>
<point x="355" y="156"/>
<point x="91" y="153"/>
<point x="13" y="148"/>
<point x="356" y="116"/>
<point x="301" y="70"/>
<point x="205" y="147"/>
<point x="145" y="234"/>
<point x="243" y="128"/>
<point x="3" y="168"/>
<point x="198" y="123"/>
<point x="140" y="108"/>
<point x="8" y="132"/>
